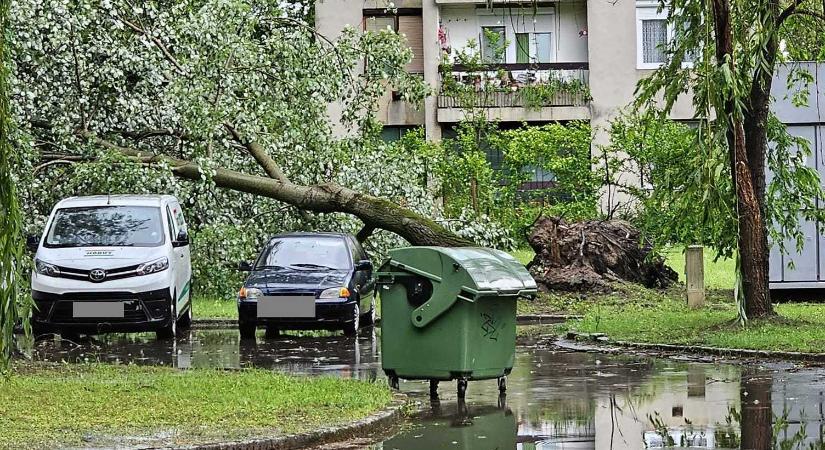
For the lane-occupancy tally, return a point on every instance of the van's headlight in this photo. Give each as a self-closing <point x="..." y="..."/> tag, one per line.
<point x="158" y="265"/>
<point x="44" y="268"/>
<point x="250" y="293"/>
<point x="335" y="293"/>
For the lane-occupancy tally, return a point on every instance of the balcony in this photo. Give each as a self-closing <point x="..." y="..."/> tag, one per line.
<point x="516" y="92"/>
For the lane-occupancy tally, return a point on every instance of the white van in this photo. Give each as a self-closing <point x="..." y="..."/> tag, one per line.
<point x="113" y="263"/>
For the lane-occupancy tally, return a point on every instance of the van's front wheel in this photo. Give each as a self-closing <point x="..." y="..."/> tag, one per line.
<point x="185" y="320"/>
<point x="170" y="329"/>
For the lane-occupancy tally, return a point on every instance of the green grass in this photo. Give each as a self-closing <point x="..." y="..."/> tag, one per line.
<point x="662" y="317"/>
<point x="214" y="308"/>
<point x="523" y="255"/>
<point x="633" y="313"/>
<point x="60" y="405"/>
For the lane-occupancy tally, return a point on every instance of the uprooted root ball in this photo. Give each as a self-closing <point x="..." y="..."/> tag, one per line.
<point x="588" y="255"/>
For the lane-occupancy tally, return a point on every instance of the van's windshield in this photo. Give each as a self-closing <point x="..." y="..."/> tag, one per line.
<point x="106" y="226"/>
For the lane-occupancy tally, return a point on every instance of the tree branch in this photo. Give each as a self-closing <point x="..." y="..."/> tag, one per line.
<point x="365" y="232"/>
<point x="166" y="53"/>
<point x="259" y="153"/>
<point x="155" y="132"/>
<point x="52" y="163"/>
<point x="806" y="12"/>
<point x="787" y="12"/>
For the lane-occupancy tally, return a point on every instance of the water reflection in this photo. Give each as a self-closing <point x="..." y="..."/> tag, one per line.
<point x="583" y="401"/>
<point x="304" y="354"/>
<point x="457" y="425"/>
<point x="556" y="399"/>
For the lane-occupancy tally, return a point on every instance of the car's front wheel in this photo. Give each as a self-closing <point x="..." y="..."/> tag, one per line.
<point x="247" y="329"/>
<point x="369" y="317"/>
<point x="351" y="327"/>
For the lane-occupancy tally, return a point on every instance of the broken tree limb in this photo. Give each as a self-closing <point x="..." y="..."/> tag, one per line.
<point x="321" y="198"/>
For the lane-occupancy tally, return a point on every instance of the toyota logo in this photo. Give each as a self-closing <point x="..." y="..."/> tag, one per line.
<point x="97" y="275"/>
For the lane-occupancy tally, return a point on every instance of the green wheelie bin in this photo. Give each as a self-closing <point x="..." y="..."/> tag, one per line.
<point x="450" y="314"/>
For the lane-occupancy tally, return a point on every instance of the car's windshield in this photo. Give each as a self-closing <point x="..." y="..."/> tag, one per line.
<point x="306" y="253"/>
<point x="104" y="226"/>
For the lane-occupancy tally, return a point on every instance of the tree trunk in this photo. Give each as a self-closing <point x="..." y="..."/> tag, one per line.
<point x="748" y="180"/>
<point x="753" y="239"/>
<point x="756" y="140"/>
<point x="375" y="212"/>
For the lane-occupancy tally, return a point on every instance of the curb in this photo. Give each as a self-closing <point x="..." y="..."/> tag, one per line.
<point x="526" y="319"/>
<point x="375" y="422"/>
<point x="544" y="319"/>
<point x="214" y="323"/>
<point x="602" y="343"/>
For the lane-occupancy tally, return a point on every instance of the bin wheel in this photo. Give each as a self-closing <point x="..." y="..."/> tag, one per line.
<point x="502" y="385"/>
<point x="433" y="389"/>
<point x="462" y="387"/>
<point x="394" y="383"/>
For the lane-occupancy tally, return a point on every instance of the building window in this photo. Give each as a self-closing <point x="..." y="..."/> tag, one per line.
<point x="653" y="35"/>
<point x="492" y="44"/>
<point x="543" y="53"/>
<point x="654" y="40"/>
<point x="393" y="133"/>
<point x="380" y="23"/>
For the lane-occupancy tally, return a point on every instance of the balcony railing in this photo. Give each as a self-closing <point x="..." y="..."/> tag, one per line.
<point x="515" y="85"/>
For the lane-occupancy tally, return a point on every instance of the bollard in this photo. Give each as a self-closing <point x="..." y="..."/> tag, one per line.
<point x="695" y="276"/>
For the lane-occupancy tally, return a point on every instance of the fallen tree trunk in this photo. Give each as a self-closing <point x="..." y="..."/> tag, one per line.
<point x="375" y="212"/>
<point x="589" y="255"/>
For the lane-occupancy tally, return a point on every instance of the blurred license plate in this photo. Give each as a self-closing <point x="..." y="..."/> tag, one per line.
<point x="286" y="306"/>
<point x="98" y="309"/>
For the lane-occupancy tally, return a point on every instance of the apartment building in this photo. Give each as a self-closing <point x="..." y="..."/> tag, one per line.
<point x="604" y="45"/>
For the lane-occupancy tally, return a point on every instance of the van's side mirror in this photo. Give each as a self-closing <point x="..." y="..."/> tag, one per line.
<point x="364" y="264"/>
<point x="245" y="266"/>
<point x="32" y="242"/>
<point x="182" y="240"/>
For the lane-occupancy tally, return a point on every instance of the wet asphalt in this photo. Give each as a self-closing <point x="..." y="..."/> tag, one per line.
<point x="556" y="398"/>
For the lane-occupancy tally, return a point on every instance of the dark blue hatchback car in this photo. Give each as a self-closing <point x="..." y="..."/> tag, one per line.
<point x="307" y="281"/>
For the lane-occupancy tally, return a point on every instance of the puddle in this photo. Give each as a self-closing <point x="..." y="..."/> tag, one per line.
<point x="556" y="399"/>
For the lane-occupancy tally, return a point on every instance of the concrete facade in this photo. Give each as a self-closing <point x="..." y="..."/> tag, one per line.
<point x="461" y="20"/>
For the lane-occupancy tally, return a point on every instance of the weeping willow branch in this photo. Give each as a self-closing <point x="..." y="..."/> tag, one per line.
<point x="12" y="309"/>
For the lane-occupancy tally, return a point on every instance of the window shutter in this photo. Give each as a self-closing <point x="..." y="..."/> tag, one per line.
<point x="522" y="48"/>
<point x="413" y="28"/>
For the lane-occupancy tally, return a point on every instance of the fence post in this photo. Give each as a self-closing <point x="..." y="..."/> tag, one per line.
<point x="695" y="276"/>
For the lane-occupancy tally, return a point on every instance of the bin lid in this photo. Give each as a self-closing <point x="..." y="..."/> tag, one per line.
<point x="491" y="270"/>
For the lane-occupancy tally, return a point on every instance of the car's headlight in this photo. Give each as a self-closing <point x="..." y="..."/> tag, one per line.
<point x="44" y="268"/>
<point x="158" y="265"/>
<point x="250" y="293"/>
<point x="335" y="293"/>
